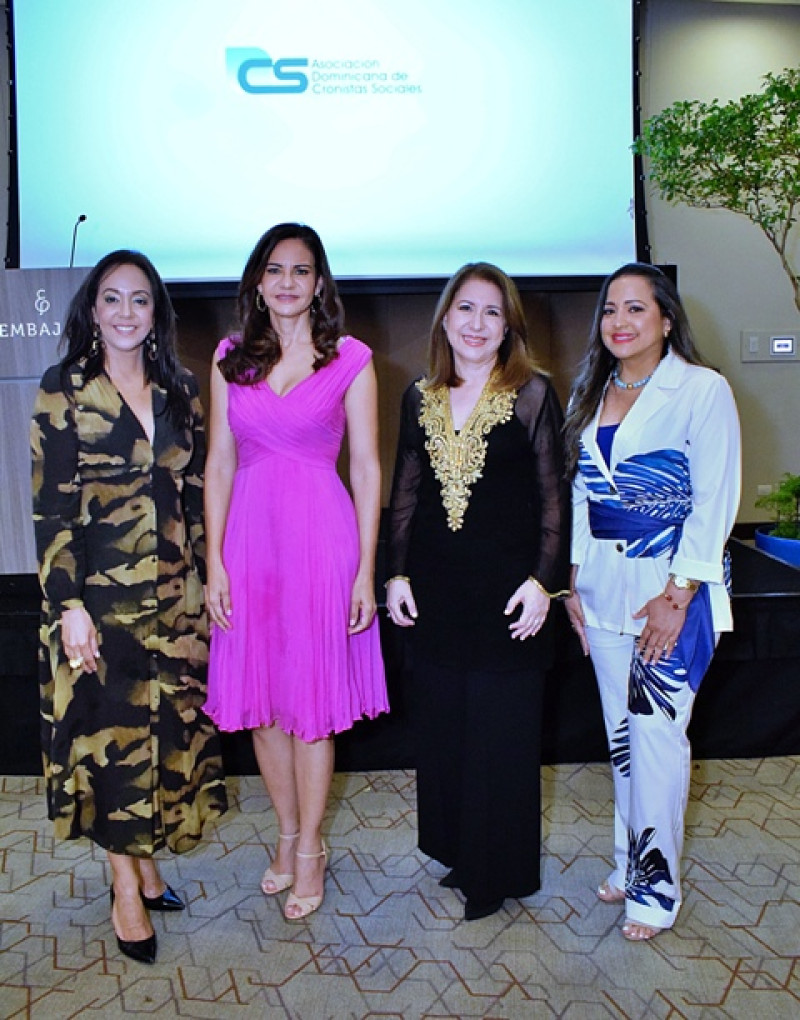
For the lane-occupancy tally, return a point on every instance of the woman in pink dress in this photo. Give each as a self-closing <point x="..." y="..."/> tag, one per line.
<point x="295" y="653"/>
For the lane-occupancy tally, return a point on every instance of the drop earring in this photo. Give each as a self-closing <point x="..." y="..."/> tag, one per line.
<point x="152" y="346"/>
<point x="261" y="304"/>
<point x="96" y="345"/>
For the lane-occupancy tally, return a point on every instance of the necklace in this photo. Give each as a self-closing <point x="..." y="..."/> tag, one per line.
<point x="629" y="385"/>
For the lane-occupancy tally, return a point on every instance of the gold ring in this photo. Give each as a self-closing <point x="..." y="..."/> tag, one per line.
<point x="76" y="663"/>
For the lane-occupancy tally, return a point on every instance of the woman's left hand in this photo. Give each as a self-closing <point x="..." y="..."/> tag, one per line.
<point x="535" y="605"/>
<point x="79" y="639"/>
<point x="661" y="631"/>
<point x="362" y="605"/>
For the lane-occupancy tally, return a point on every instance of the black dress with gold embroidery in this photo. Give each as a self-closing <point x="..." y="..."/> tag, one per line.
<point x="130" y="758"/>
<point x="496" y="514"/>
<point x="472" y="515"/>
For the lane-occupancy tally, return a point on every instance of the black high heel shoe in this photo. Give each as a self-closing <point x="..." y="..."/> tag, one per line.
<point x="142" y="951"/>
<point x="168" y="900"/>
<point x="450" y="880"/>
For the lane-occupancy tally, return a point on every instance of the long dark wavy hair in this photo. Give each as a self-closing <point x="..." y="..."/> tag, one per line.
<point x="77" y="342"/>
<point x="515" y="360"/>
<point x="598" y="362"/>
<point x="259" y="350"/>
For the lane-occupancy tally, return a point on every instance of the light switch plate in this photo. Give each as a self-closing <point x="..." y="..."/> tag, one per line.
<point x="769" y="345"/>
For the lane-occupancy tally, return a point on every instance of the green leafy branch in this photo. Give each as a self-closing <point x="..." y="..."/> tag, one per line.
<point x="743" y="156"/>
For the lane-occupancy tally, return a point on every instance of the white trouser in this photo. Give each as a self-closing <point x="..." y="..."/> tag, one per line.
<point x="646" y="711"/>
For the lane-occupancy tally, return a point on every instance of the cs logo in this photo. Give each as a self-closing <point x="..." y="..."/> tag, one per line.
<point x="256" y="73"/>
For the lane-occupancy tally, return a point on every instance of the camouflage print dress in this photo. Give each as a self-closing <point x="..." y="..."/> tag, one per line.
<point x="130" y="758"/>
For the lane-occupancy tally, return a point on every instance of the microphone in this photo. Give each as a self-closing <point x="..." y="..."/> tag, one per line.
<point x="78" y="222"/>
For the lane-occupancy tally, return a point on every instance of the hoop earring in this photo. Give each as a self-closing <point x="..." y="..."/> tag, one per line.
<point x="151" y="343"/>
<point x="261" y="304"/>
<point x="96" y="346"/>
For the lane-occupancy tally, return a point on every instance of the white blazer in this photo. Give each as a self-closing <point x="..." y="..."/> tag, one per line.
<point x="691" y="410"/>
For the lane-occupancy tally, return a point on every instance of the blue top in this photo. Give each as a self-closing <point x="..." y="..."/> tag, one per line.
<point x="605" y="440"/>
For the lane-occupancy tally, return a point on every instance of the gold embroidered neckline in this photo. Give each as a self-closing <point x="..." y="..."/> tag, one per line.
<point x="458" y="458"/>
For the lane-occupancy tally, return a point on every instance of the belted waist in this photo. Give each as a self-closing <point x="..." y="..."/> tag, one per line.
<point x="607" y="521"/>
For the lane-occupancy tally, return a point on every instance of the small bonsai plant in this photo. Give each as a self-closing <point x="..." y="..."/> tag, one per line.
<point x="743" y="156"/>
<point x="784" y="504"/>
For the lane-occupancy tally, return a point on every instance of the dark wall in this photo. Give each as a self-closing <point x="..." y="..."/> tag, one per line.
<point x="395" y="326"/>
<point x="748" y="705"/>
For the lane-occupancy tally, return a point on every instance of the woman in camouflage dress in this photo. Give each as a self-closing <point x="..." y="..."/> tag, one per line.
<point x="130" y="758"/>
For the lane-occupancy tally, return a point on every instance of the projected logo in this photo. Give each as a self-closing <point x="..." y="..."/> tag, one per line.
<point x="256" y="73"/>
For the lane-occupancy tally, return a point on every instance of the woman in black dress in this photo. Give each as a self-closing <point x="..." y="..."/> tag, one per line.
<point x="478" y="546"/>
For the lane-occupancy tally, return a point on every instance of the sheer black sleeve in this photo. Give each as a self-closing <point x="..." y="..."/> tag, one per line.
<point x="538" y="409"/>
<point x="405" y="484"/>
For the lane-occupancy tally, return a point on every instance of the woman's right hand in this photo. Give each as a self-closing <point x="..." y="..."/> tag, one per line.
<point x="218" y="596"/>
<point x="574" y="609"/>
<point x="79" y="638"/>
<point x="400" y="602"/>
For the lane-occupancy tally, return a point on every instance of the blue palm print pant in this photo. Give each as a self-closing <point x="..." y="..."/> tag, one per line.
<point x="646" y="710"/>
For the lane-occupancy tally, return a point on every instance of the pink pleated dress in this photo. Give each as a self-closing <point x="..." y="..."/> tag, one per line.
<point x="291" y="551"/>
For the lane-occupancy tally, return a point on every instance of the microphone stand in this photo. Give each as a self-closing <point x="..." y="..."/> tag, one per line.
<point x="78" y="222"/>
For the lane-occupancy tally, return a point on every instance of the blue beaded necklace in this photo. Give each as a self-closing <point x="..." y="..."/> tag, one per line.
<point x="629" y="385"/>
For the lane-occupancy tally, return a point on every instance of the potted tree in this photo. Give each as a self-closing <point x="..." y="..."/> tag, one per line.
<point x="743" y="156"/>
<point x="782" y="539"/>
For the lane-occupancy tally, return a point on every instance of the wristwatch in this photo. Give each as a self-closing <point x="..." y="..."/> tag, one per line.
<point x="684" y="583"/>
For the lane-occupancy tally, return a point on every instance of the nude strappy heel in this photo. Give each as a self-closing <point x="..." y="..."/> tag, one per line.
<point x="306" y="904"/>
<point x="636" y="931"/>
<point x="609" y="893"/>
<point x="279" y="882"/>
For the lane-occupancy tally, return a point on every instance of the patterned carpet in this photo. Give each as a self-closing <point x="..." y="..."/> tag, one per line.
<point x="389" y="941"/>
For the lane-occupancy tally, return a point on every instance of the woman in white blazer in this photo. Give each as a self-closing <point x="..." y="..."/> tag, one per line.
<point x="653" y="445"/>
